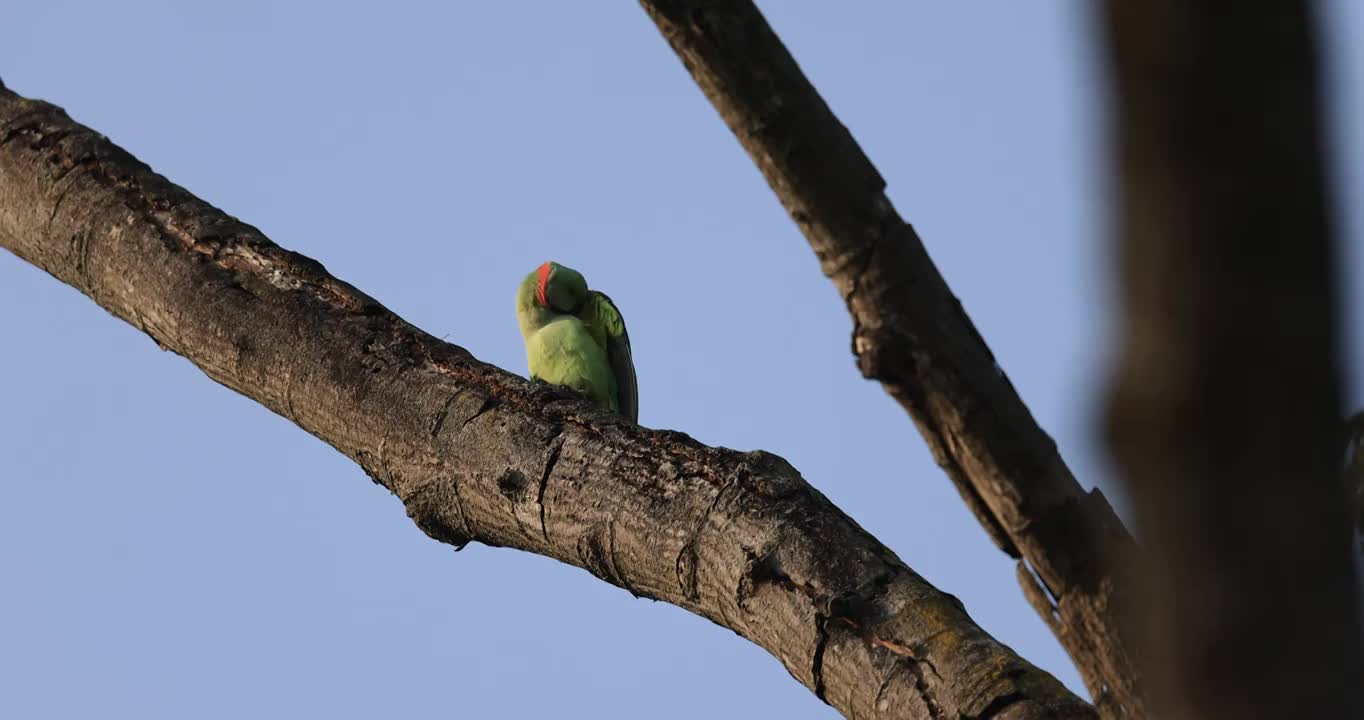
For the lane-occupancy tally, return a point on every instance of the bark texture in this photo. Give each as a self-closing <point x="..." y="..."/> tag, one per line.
<point x="1224" y="414"/>
<point x="911" y="334"/>
<point x="479" y="454"/>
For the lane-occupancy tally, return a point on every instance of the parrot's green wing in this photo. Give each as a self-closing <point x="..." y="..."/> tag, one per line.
<point x="608" y="327"/>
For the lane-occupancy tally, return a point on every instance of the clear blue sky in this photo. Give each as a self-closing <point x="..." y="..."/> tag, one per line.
<point x="169" y="549"/>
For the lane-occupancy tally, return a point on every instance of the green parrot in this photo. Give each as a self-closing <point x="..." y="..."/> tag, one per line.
<point x="576" y="337"/>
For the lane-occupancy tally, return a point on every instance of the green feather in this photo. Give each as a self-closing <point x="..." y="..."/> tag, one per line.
<point x="607" y="327"/>
<point x="576" y="337"/>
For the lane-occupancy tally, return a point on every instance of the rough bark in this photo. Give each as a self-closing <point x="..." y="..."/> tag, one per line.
<point x="911" y="334"/>
<point x="1224" y="414"/>
<point x="479" y="454"/>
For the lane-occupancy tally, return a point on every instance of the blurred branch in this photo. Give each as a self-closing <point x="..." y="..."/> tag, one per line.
<point x="1224" y="413"/>
<point x="911" y="334"/>
<point x="1352" y="450"/>
<point x="478" y="454"/>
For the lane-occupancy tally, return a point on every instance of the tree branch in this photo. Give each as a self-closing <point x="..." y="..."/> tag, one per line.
<point x="478" y="454"/>
<point x="1225" y="409"/>
<point x="911" y="334"/>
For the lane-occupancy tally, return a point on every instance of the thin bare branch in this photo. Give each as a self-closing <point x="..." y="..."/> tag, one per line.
<point x="911" y="334"/>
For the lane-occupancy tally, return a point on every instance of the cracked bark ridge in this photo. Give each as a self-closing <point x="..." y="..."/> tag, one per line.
<point x="912" y="335"/>
<point x="479" y="454"/>
<point x="1224" y="411"/>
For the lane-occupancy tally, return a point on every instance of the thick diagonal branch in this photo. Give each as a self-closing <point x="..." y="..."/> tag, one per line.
<point x="478" y="454"/>
<point x="911" y="334"/>
<point x="1226" y="403"/>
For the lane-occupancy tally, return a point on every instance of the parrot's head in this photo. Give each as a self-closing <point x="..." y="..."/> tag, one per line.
<point x="559" y="289"/>
<point x="549" y="291"/>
